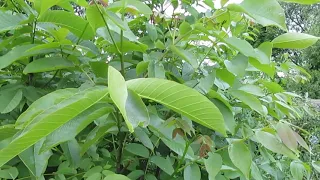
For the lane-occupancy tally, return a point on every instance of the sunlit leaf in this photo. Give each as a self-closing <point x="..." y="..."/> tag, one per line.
<point x="181" y="99"/>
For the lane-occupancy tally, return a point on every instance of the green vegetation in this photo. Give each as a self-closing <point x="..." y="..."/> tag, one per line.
<point x="148" y="90"/>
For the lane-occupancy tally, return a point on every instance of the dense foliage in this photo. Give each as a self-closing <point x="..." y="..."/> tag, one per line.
<point x="150" y="90"/>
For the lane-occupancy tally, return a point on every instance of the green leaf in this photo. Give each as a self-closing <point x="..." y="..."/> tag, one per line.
<point x="99" y="68"/>
<point x="68" y="20"/>
<point x="116" y="177"/>
<point x="255" y="172"/>
<point x="237" y="65"/>
<point x="152" y="32"/>
<point x="51" y="119"/>
<point x="213" y="164"/>
<point x="142" y="67"/>
<point x="252" y="89"/>
<point x="9" y="100"/>
<point x="131" y="6"/>
<point x="240" y="45"/>
<point x="47" y="64"/>
<point x="69" y="130"/>
<point x="10" y="173"/>
<point x="7" y="131"/>
<point x="94" y="136"/>
<point x="42" y="104"/>
<point x="185" y="55"/>
<point x="272" y="143"/>
<point x="94" y="176"/>
<point x="264" y="52"/>
<point x="47" y="4"/>
<point x="20" y="52"/>
<point x="134" y="175"/>
<point x="93" y="170"/>
<point x="287" y="136"/>
<point x="143" y="137"/>
<point x="297" y="170"/>
<point x="249" y="100"/>
<point x="227" y="115"/>
<point x="294" y="40"/>
<point x="137" y="149"/>
<point x="302" y="1"/>
<point x="156" y="70"/>
<point x="184" y="28"/>
<point x="163" y="164"/>
<point x="181" y="99"/>
<point x="265" y="12"/>
<point x="129" y="103"/>
<point x="10" y="21"/>
<point x="35" y="161"/>
<point x="240" y="156"/>
<point x="71" y="151"/>
<point x="273" y="87"/>
<point x="301" y="141"/>
<point x="192" y="172"/>
<point x="316" y="165"/>
<point x="269" y="69"/>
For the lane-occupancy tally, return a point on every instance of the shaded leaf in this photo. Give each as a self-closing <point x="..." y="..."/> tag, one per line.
<point x="287" y="136"/>
<point x="47" y="64"/>
<point x="272" y="143"/>
<point x="240" y="156"/>
<point x="34" y="160"/>
<point x="137" y="149"/>
<point x="9" y="100"/>
<point x="7" y="131"/>
<point x="213" y="164"/>
<point x="163" y="164"/>
<point x="192" y="172"/>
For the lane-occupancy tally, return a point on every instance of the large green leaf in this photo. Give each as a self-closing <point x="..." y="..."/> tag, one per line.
<point x="69" y="130"/>
<point x="129" y="103"/>
<point x="95" y="135"/>
<point x="137" y="149"/>
<point x="116" y="177"/>
<point x="20" y="52"/>
<point x="51" y="119"/>
<point x="302" y="1"/>
<point x="240" y="156"/>
<point x="265" y="12"/>
<point x="249" y="100"/>
<point x="69" y="20"/>
<point x="213" y="164"/>
<point x="297" y="170"/>
<point x="7" y="131"/>
<point x="132" y="6"/>
<point x="316" y="165"/>
<point x="35" y="161"/>
<point x="10" y="21"/>
<point x="162" y="163"/>
<point x="185" y="55"/>
<point x="294" y="40"/>
<point x="47" y="64"/>
<point x="42" y="104"/>
<point x="272" y="143"/>
<point x="237" y="65"/>
<point x="241" y="45"/>
<point x="192" y="172"/>
<point x="181" y="99"/>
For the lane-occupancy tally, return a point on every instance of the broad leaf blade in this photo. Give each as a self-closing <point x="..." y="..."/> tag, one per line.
<point x="35" y="161"/>
<point x="294" y="41"/>
<point x="181" y="99"/>
<point x="272" y="143"/>
<point x="265" y="12"/>
<point x="7" y="131"/>
<point x="240" y="156"/>
<point x="47" y="64"/>
<point x="50" y="120"/>
<point x="128" y="102"/>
